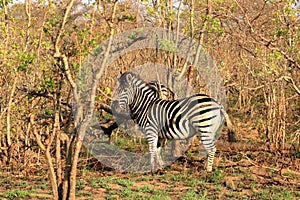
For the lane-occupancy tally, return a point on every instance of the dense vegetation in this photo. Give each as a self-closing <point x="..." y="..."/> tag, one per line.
<point x="255" y="45"/>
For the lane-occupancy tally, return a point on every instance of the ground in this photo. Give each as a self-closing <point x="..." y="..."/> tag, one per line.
<point x="243" y="170"/>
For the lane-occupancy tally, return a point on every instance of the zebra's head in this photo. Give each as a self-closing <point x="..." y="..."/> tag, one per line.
<point x="124" y="93"/>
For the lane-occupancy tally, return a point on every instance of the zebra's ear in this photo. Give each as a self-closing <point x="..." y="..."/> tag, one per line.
<point x="129" y="78"/>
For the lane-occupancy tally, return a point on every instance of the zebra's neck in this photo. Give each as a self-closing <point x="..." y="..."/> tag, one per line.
<point x="144" y="97"/>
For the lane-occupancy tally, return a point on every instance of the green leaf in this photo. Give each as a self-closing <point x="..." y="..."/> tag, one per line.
<point x="107" y="91"/>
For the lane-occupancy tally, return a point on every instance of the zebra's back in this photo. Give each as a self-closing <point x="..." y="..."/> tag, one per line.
<point x="183" y="118"/>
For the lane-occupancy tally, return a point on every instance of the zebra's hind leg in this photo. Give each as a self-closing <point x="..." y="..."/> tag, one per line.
<point x="210" y="148"/>
<point x="210" y="159"/>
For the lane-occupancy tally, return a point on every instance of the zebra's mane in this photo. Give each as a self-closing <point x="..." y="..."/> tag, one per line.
<point x="137" y="79"/>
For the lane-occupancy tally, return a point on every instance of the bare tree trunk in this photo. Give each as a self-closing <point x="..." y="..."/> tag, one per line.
<point x="8" y="125"/>
<point x="276" y="114"/>
<point x="28" y="14"/>
<point x="6" y="42"/>
<point x="65" y="186"/>
<point x="38" y="49"/>
<point x="83" y="117"/>
<point x="282" y="110"/>
<point x="4" y="5"/>
<point x="73" y="171"/>
<point x="57" y="133"/>
<point x="51" y="172"/>
<point x="48" y="156"/>
<point x="64" y="190"/>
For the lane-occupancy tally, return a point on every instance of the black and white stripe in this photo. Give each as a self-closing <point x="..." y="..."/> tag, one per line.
<point x="163" y="91"/>
<point x="169" y="119"/>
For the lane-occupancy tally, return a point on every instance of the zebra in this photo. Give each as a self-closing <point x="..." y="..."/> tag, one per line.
<point x="163" y="91"/>
<point x="169" y="119"/>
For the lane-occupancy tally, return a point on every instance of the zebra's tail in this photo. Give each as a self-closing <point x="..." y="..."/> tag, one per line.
<point x="231" y="133"/>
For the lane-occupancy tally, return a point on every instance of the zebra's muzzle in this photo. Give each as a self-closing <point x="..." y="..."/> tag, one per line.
<point x="115" y="107"/>
<point x="118" y="111"/>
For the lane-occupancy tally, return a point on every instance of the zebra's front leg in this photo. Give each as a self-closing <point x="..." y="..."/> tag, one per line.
<point x="152" y="140"/>
<point x="160" y="144"/>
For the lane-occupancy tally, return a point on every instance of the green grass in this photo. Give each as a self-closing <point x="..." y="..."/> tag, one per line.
<point x="276" y="193"/>
<point x="12" y="194"/>
<point x="192" y="195"/>
<point x="130" y="144"/>
<point x="42" y="185"/>
<point x="80" y="184"/>
<point x="23" y="184"/>
<point x="194" y="183"/>
<point x="105" y="182"/>
<point x="95" y="183"/>
<point x="84" y="194"/>
<point x="6" y="180"/>
<point x="124" y="182"/>
<point x="145" y="189"/>
<point x="216" y="176"/>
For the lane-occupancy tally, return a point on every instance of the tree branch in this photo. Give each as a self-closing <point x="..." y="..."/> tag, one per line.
<point x="57" y="53"/>
<point x="290" y="80"/>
